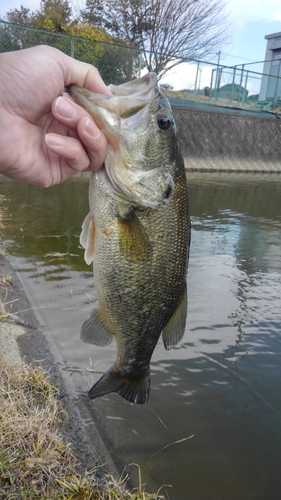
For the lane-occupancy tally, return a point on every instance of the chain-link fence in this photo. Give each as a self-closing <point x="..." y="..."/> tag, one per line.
<point x="235" y="87"/>
<point x="203" y="81"/>
<point x="115" y="63"/>
<point x="240" y="87"/>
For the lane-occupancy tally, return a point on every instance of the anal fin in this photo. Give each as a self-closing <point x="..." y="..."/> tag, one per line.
<point x="94" y="331"/>
<point x="173" y="332"/>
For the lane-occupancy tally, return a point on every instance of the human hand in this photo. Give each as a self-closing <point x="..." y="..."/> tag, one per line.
<point x="44" y="137"/>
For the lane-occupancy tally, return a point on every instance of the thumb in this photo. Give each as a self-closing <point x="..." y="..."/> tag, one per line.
<point x="82" y="74"/>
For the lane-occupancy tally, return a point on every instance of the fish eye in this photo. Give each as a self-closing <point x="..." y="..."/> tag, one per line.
<point x="164" y="123"/>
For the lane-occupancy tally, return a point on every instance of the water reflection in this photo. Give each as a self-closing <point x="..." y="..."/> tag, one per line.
<point x="222" y="384"/>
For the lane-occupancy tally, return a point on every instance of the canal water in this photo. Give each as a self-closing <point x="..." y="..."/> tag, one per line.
<point x="221" y="386"/>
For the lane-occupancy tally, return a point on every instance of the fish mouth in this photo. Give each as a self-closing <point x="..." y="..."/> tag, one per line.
<point x="127" y="100"/>
<point x="126" y="103"/>
<point x="140" y="89"/>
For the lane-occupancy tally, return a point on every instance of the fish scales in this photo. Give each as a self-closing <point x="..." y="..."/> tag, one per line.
<point x="140" y="258"/>
<point x="148" y="290"/>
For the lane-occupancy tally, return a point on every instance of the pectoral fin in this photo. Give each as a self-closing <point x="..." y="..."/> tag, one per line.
<point x="173" y="332"/>
<point x="133" y="241"/>
<point x="87" y="238"/>
<point x="94" y="331"/>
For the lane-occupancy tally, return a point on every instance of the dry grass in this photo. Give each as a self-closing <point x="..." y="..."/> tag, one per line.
<point x="2" y="211"/>
<point x="5" y="281"/>
<point x="205" y="99"/>
<point x="179" y="94"/>
<point x="2" y="223"/>
<point x="35" y="463"/>
<point x="32" y="454"/>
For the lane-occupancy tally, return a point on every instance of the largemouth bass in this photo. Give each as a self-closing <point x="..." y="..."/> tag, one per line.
<point x="137" y="233"/>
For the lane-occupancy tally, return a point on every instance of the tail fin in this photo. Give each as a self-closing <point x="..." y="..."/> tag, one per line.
<point x="132" y="389"/>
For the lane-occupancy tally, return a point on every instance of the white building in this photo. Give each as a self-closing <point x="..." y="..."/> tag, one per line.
<point x="270" y="85"/>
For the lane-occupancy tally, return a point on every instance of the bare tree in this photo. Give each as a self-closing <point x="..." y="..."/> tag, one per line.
<point x="19" y="16"/>
<point x="168" y="31"/>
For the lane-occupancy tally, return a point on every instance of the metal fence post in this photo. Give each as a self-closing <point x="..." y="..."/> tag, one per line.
<point x="211" y="84"/>
<point x="72" y="47"/>
<point x="240" y="86"/>
<point x="245" y="89"/>
<point x="276" y="86"/>
<point x="218" y="82"/>
<point x="196" y="78"/>
<point x="232" y="86"/>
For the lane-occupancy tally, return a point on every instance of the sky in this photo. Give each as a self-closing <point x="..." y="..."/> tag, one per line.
<point x="251" y="20"/>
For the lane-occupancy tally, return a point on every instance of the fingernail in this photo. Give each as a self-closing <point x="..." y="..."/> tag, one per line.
<point x="54" y="140"/>
<point x="64" y="108"/>
<point x="92" y="129"/>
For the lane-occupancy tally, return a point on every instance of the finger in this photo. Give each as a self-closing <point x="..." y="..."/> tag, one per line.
<point x="94" y="142"/>
<point x="67" y="112"/>
<point x="83" y="74"/>
<point x="78" y="120"/>
<point x="70" y="150"/>
<point x="57" y="127"/>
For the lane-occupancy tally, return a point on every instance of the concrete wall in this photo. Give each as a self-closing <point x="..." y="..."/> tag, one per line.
<point x="218" y="141"/>
<point x="271" y="67"/>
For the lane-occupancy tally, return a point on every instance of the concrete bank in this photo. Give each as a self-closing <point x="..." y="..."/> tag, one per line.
<point x="22" y="338"/>
<point x="218" y="139"/>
